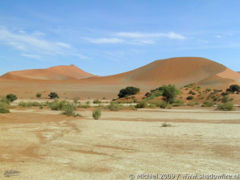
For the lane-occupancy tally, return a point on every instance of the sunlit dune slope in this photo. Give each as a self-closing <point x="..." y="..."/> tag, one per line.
<point x="53" y="73"/>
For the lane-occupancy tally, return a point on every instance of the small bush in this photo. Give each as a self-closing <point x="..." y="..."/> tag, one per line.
<point x="3" y="110"/>
<point x="163" y="104"/>
<point x="57" y="105"/>
<point x="148" y="94"/>
<point x="142" y="104"/>
<point x="29" y="104"/>
<point x="96" y="114"/>
<point x="11" y="97"/>
<point x="208" y="90"/>
<point x="207" y="104"/>
<point x="53" y="95"/>
<point x="97" y="101"/>
<point x="38" y="95"/>
<point x="132" y="107"/>
<point x="226" y="99"/>
<point x="68" y="109"/>
<point x="4" y="102"/>
<point x="193" y="104"/>
<point x="225" y="93"/>
<point x="166" y="124"/>
<point x="114" y="106"/>
<point x="190" y="98"/>
<point x="151" y="105"/>
<point x="178" y="103"/>
<point x="192" y="92"/>
<point x="225" y="107"/>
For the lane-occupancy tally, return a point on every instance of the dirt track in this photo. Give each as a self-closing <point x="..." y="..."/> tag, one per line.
<point x="50" y="146"/>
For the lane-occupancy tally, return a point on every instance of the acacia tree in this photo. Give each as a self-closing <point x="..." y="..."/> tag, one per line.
<point x="130" y="90"/>
<point x="169" y="93"/>
<point x="53" y="95"/>
<point x="234" y="88"/>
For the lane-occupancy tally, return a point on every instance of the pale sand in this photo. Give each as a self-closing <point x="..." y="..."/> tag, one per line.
<point x="45" y="146"/>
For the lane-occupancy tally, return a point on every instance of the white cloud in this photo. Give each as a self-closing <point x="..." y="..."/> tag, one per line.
<point x="135" y="38"/>
<point x="31" y="56"/>
<point x="34" y="43"/>
<point x="170" y="35"/>
<point x="218" y="36"/>
<point x="105" y="40"/>
<point x="64" y="45"/>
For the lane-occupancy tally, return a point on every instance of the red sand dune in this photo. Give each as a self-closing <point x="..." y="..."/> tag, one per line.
<point x="53" y="73"/>
<point x="178" y="71"/>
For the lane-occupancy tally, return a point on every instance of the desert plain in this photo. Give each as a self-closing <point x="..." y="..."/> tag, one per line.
<point x="42" y="144"/>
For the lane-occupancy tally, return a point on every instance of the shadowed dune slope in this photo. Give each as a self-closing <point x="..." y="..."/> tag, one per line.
<point x="53" y="73"/>
<point x="178" y="71"/>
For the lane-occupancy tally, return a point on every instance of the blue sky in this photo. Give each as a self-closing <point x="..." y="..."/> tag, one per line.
<point x="111" y="36"/>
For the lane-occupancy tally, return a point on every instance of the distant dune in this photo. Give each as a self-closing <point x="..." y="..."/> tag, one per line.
<point x="53" y="73"/>
<point x="70" y="81"/>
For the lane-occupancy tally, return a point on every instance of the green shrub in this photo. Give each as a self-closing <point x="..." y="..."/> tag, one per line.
<point x="96" y="101"/>
<point x="3" y="110"/>
<point x="132" y="107"/>
<point x="166" y="124"/>
<point x="226" y="99"/>
<point x="38" y="95"/>
<point x="192" y="92"/>
<point x="141" y="104"/>
<point x="68" y="109"/>
<point x="190" y="98"/>
<point x="59" y="105"/>
<point x="148" y="94"/>
<point x="151" y="105"/>
<point x="128" y="91"/>
<point x="11" y="97"/>
<point x="178" y="103"/>
<point x="225" y="107"/>
<point x="163" y="104"/>
<point x="4" y="102"/>
<point x="208" y="104"/>
<point x="53" y="95"/>
<point x="189" y="85"/>
<point x="193" y="104"/>
<point x="114" y="106"/>
<point x="208" y="90"/>
<point x="56" y="105"/>
<point x="96" y="114"/>
<point x="29" y="104"/>
<point x="225" y="93"/>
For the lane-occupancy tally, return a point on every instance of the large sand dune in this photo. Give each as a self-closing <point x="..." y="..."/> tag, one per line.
<point x="70" y="81"/>
<point x="53" y="73"/>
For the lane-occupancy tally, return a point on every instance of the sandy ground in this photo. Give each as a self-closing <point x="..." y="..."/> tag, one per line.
<point x="43" y="145"/>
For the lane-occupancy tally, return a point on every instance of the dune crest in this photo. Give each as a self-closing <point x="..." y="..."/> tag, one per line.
<point x="54" y="73"/>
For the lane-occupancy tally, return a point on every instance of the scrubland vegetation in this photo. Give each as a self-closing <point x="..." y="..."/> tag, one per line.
<point x="166" y="96"/>
<point x="5" y="102"/>
<point x="96" y="114"/>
